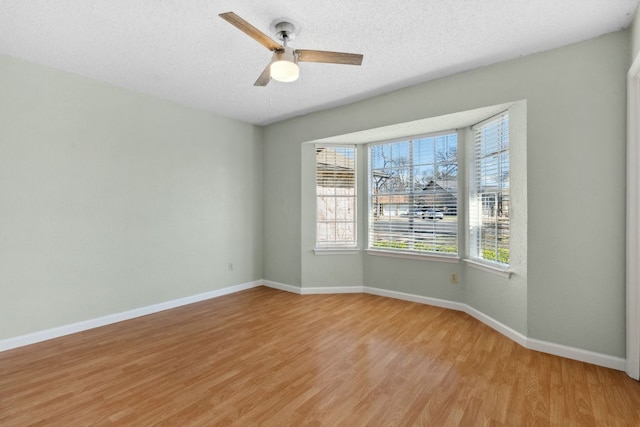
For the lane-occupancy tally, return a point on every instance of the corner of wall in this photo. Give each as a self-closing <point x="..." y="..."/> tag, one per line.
<point x="634" y="34"/>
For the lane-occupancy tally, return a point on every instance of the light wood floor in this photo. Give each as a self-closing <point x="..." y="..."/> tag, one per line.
<point x="265" y="357"/>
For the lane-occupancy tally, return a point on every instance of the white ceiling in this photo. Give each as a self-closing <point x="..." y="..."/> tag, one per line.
<point x="182" y="51"/>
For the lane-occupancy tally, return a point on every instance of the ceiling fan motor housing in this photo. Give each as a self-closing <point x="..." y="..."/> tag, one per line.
<point x="284" y="30"/>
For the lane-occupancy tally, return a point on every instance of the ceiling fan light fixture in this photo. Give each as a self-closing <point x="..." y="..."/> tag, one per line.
<point x="284" y="63"/>
<point x="284" y="67"/>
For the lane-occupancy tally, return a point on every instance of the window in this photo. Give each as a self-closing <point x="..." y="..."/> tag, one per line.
<point x="489" y="192"/>
<point x="336" y="197"/>
<point x="413" y="196"/>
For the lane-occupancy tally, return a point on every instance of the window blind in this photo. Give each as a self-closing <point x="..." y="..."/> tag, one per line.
<point x="489" y="191"/>
<point x="413" y="195"/>
<point x="336" y="197"/>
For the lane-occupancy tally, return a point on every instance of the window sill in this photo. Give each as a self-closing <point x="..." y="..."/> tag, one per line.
<point x="412" y="255"/>
<point x="336" y="251"/>
<point x="489" y="268"/>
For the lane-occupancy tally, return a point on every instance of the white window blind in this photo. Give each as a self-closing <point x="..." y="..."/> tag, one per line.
<point x="489" y="191"/>
<point x="413" y="195"/>
<point x="336" y="197"/>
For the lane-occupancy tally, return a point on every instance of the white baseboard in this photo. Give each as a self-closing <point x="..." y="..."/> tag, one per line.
<point x="313" y="290"/>
<point x="581" y="355"/>
<point x="10" y="343"/>
<point x="498" y="326"/>
<point x="594" y="358"/>
<point x="530" y="343"/>
<point x="332" y="290"/>
<point x="415" y="298"/>
<point x="282" y="287"/>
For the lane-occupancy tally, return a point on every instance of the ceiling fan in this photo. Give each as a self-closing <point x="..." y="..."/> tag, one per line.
<point x="284" y="63"/>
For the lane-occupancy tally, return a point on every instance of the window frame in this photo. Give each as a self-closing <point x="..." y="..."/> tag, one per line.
<point x="418" y="254"/>
<point x="474" y="209"/>
<point x="335" y="246"/>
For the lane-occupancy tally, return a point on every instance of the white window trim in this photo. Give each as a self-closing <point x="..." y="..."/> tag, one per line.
<point x="337" y="248"/>
<point x="336" y="251"/>
<point x="473" y="259"/>
<point x="414" y="255"/>
<point x="431" y="256"/>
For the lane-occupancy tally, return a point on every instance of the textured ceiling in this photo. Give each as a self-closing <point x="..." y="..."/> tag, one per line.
<point x="182" y="51"/>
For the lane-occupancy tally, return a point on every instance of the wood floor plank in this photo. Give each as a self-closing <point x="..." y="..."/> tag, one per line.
<point x="266" y="357"/>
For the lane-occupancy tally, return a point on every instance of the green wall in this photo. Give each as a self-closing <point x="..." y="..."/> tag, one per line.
<point x="573" y="288"/>
<point x="112" y="200"/>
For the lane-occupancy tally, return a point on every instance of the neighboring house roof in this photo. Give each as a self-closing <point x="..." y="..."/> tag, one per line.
<point x="450" y="186"/>
<point x="334" y="169"/>
<point x="330" y="157"/>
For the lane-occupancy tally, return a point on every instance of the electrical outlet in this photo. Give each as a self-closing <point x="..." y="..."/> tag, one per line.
<point x="453" y="278"/>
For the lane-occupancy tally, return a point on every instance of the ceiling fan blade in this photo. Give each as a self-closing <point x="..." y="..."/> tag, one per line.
<point x="330" y="57"/>
<point x="265" y="77"/>
<point x="250" y="30"/>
